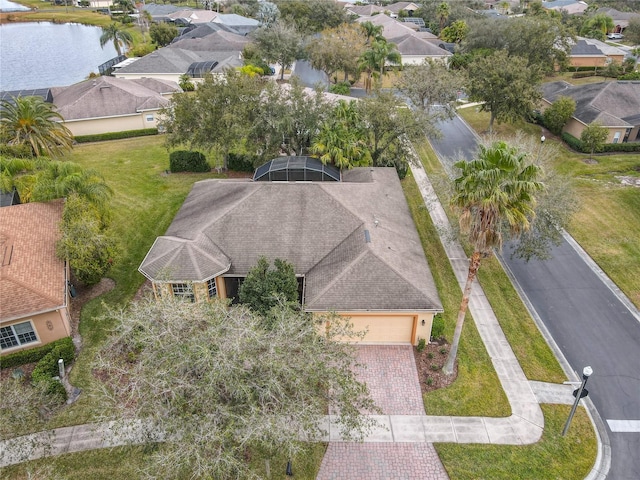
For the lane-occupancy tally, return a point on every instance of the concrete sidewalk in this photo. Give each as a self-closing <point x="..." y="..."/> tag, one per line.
<point x="524" y="426"/>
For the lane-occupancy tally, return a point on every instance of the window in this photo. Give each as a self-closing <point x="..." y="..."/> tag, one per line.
<point x="616" y="137"/>
<point x="211" y="288"/>
<point x="149" y="118"/>
<point x="184" y="290"/>
<point x="16" y="335"/>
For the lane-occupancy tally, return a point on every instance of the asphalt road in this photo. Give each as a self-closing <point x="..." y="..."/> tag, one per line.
<point x="309" y="76"/>
<point x="588" y="322"/>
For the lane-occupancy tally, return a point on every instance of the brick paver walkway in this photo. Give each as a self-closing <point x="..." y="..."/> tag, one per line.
<point x="392" y="378"/>
<point x="381" y="461"/>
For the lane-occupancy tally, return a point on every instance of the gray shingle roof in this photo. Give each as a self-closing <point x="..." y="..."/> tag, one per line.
<point x="109" y="96"/>
<point x="176" y="60"/>
<point x="609" y="103"/>
<point x="583" y="48"/>
<point x="412" y="45"/>
<point x="318" y="227"/>
<point x="218" y="41"/>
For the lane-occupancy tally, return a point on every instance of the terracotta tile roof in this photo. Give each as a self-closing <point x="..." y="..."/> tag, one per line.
<point x="32" y="278"/>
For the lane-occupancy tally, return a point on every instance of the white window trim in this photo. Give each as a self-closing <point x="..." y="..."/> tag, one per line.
<point x="20" y="345"/>
<point x="186" y="294"/>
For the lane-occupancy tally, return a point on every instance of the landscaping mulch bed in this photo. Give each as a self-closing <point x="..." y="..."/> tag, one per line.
<point x="429" y="363"/>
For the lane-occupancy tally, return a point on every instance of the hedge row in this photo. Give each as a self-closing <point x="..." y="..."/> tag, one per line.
<point x="101" y="137"/>
<point x="47" y="367"/>
<point x="576" y="144"/>
<point x="187" y="161"/>
<point x="241" y="162"/>
<point x="34" y="354"/>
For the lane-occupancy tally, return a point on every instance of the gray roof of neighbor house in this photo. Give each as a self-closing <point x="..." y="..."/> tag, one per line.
<point x="583" y="48"/>
<point x="109" y="96"/>
<point x="396" y="7"/>
<point x="202" y="30"/>
<point x="610" y="103"/>
<point x="354" y="241"/>
<point x="175" y="60"/>
<point x="218" y="41"/>
<point x="413" y="45"/>
<point x="365" y="10"/>
<point x="619" y="18"/>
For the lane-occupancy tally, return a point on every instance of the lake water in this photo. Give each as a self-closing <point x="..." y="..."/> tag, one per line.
<point x="6" y="6"/>
<point x="42" y="55"/>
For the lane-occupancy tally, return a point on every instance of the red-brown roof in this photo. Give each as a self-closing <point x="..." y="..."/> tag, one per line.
<point x="32" y="278"/>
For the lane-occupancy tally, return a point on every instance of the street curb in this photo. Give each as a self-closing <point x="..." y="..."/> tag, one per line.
<point x="603" y="457"/>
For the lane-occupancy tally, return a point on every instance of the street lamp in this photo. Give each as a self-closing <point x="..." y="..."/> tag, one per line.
<point x="542" y="139"/>
<point x="578" y="393"/>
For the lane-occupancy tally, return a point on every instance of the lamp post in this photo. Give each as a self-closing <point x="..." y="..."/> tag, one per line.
<point x="542" y="139"/>
<point x="579" y="393"/>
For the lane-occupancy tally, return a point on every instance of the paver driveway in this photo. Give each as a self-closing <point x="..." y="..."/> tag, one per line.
<point x="392" y="378"/>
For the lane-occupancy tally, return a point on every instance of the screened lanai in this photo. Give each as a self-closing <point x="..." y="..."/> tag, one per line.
<point x="296" y="169"/>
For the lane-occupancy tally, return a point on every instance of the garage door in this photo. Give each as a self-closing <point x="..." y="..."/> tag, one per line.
<point x="385" y="329"/>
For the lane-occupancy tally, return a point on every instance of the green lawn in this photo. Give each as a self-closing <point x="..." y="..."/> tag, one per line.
<point x="607" y="224"/>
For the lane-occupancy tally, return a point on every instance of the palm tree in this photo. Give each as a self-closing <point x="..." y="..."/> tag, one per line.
<point x="375" y="58"/>
<point x="372" y="31"/>
<point x="443" y="11"/>
<point x="34" y="122"/>
<point x="113" y="33"/>
<point x="496" y="194"/>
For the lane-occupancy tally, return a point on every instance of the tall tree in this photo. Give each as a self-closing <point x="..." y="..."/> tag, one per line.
<point x="432" y="87"/>
<point x="372" y="31"/>
<point x="341" y="139"/>
<point x="507" y="86"/>
<point x="280" y="43"/>
<point x="222" y="384"/>
<point x="632" y="32"/>
<point x="337" y="49"/>
<point x="216" y="116"/>
<point x="444" y="10"/>
<point x="495" y="194"/>
<point x="268" y="13"/>
<point x="34" y="122"/>
<point x="313" y="16"/>
<point x="559" y="113"/>
<point x="600" y="23"/>
<point x="593" y="137"/>
<point x="374" y="59"/>
<point x="163" y="33"/>
<point x="119" y="37"/>
<point x="264" y="287"/>
<point x="456" y="32"/>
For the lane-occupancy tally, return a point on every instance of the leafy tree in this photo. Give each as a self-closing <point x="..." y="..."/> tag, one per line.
<point x="287" y="118"/>
<point x="119" y="37"/>
<point x="558" y="114"/>
<point x="186" y="83"/>
<point x="268" y="14"/>
<point x="374" y="59"/>
<point x="264" y="287"/>
<point x="372" y="31"/>
<point x="222" y="384"/>
<point x="32" y="121"/>
<point x="632" y="32"/>
<point x="341" y="140"/>
<point x="597" y="26"/>
<point x="593" y="137"/>
<point x="456" y="32"/>
<point x="217" y="115"/>
<point x="507" y="86"/>
<point x="495" y="194"/>
<point x="337" y="50"/>
<point x="11" y="169"/>
<point x="628" y="65"/>
<point x="163" y="33"/>
<point x="312" y="16"/>
<point x="444" y="10"/>
<point x="84" y="242"/>
<point x="280" y="43"/>
<point x="431" y="87"/>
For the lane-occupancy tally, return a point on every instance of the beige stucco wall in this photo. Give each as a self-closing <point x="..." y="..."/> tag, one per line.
<point x="114" y="124"/>
<point x="587" y="61"/>
<point x="419" y="59"/>
<point x="200" y="290"/>
<point x="48" y="326"/>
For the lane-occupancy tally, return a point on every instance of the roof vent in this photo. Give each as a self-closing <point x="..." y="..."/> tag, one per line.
<point x="367" y="236"/>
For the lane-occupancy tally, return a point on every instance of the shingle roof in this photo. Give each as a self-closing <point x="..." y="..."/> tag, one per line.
<point x="583" y="48"/>
<point x="32" y="278"/>
<point x="412" y="45"/>
<point x="365" y="10"/>
<point x="194" y="16"/>
<point x="109" y="96"/>
<point x="175" y="60"/>
<point x="396" y="7"/>
<point x="610" y="103"/>
<point x="219" y="41"/>
<point x="319" y="228"/>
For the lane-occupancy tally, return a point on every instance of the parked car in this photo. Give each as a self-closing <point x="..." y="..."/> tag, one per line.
<point x="615" y="36"/>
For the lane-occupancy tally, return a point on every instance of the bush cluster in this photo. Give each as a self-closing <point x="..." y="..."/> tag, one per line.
<point x="187" y="161"/>
<point x="342" y="88"/>
<point x="437" y="327"/>
<point x="35" y="354"/>
<point x="241" y="162"/>
<point x="101" y="137"/>
<point x="573" y="142"/>
<point x="576" y="144"/>
<point x="47" y="367"/>
<point x="16" y="151"/>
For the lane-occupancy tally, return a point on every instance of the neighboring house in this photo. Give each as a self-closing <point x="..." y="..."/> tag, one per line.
<point x="194" y="56"/>
<point x="572" y="7"/>
<point x="589" y="52"/>
<point x="615" y="105"/>
<point x="620" y="19"/>
<point x="100" y="3"/>
<point x="350" y="238"/>
<point x="239" y="24"/>
<point x="365" y="10"/>
<point x="108" y="104"/>
<point x="414" y="46"/>
<point x="188" y="16"/>
<point x="160" y="13"/>
<point x="33" y="281"/>
<point x="408" y="7"/>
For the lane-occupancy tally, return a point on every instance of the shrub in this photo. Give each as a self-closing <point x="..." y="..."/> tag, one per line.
<point x="342" y="88"/>
<point x="422" y="343"/>
<point x="630" y="76"/>
<point x="241" y="162"/>
<point x="101" y="137"/>
<point x="583" y="74"/>
<point x="35" y="354"/>
<point x="429" y="381"/>
<point x="434" y="367"/>
<point x="16" y="151"/>
<point x="622" y="147"/>
<point x="573" y="142"/>
<point x="47" y="367"/>
<point x="437" y="328"/>
<point x="187" y="161"/>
